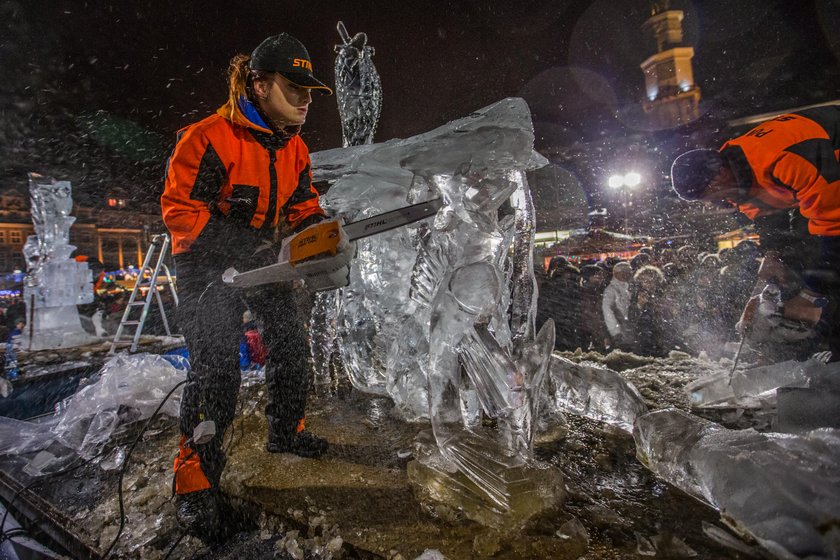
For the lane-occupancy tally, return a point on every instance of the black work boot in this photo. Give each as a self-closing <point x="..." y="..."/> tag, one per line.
<point x="201" y="514"/>
<point x="283" y="437"/>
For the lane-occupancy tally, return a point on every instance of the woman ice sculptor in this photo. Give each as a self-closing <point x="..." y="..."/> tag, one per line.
<point x="230" y="180"/>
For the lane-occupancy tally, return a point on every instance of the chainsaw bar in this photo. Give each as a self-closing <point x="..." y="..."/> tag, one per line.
<point x="392" y="220"/>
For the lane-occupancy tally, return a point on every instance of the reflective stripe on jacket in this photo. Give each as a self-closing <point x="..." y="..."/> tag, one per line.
<point x="231" y="169"/>
<point x="792" y="161"/>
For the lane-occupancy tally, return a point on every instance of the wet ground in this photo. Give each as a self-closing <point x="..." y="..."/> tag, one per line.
<point x="356" y="502"/>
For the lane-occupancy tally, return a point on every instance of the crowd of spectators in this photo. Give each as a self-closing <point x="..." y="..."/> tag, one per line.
<point x="662" y="299"/>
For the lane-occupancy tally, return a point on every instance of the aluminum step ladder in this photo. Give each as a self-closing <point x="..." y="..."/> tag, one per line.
<point x="159" y="245"/>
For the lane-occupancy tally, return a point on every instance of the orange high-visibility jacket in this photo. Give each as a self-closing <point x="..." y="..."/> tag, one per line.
<point x="231" y="167"/>
<point x="792" y="161"/>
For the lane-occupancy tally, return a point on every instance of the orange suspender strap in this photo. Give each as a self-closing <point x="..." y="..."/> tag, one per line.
<point x="188" y="474"/>
<point x="301" y="424"/>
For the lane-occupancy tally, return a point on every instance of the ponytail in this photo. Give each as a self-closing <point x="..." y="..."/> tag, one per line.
<point x="240" y="83"/>
<point x="239" y="78"/>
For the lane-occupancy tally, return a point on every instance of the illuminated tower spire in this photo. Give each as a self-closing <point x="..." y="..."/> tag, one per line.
<point x="672" y="97"/>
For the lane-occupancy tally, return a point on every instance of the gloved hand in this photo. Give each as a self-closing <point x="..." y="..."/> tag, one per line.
<point x="798" y="308"/>
<point x="747" y="315"/>
<point x="773" y="269"/>
<point x="772" y="273"/>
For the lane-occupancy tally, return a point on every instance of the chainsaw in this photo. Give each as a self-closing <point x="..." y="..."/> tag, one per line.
<point x="320" y="255"/>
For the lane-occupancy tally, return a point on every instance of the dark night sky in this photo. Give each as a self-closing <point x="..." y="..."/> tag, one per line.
<point x="78" y="78"/>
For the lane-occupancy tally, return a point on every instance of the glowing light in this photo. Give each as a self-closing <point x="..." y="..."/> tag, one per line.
<point x="632" y="179"/>
<point x="616" y="181"/>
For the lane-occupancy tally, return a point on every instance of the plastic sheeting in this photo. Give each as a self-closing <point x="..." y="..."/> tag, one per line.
<point x="128" y="388"/>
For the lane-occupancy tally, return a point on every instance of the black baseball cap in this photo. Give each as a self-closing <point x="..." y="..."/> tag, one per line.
<point x="288" y="57"/>
<point x="692" y="172"/>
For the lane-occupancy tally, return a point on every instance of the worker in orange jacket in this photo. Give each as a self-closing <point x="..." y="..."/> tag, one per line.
<point x="784" y="175"/>
<point x="231" y="179"/>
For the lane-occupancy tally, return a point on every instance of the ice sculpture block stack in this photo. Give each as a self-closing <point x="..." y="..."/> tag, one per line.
<point x="440" y="315"/>
<point x="55" y="283"/>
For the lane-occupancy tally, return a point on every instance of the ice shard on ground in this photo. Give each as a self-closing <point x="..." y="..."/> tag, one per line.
<point x="55" y="283"/>
<point x="597" y="393"/>
<point x="802" y="409"/>
<point x="439" y="315"/>
<point x="754" y="387"/>
<point x="784" y="490"/>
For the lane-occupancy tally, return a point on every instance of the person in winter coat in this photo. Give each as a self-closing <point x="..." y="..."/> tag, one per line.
<point x="558" y="300"/>
<point x="616" y="303"/>
<point x="791" y="162"/>
<point x="14" y="312"/>
<point x="252" y="352"/>
<point x="232" y="179"/>
<point x="593" y="329"/>
<point x="645" y="315"/>
<point x="12" y="347"/>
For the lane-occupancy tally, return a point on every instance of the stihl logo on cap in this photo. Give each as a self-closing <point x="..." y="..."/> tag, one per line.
<point x="302" y="63"/>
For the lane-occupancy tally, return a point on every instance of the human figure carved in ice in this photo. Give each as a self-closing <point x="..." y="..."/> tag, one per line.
<point x="440" y="315"/>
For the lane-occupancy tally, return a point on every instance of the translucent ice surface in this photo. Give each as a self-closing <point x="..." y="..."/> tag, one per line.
<point x="439" y="315"/>
<point x="782" y="489"/>
<point x="754" y="387"/>
<point x="55" y="283"/>
<point x="358" y="89"/>
<point x="597" y="393"/>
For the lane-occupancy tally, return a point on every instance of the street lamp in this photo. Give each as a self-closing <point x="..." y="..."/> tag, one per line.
<point x="624" y="182"/>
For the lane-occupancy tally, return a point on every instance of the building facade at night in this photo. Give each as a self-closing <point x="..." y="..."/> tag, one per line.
<point x="114" y="231"/>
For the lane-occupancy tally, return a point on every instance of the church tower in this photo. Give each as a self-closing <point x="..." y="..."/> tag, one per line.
<point x="672" y="97"/>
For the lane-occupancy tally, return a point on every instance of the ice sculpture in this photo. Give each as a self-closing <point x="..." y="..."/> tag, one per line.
<point x="440" y="316"/>
<point x="597" y="393"/>
<point x="358" y="89"/>
<point x="55" y="283"/>
<point x="782" y="489"/>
